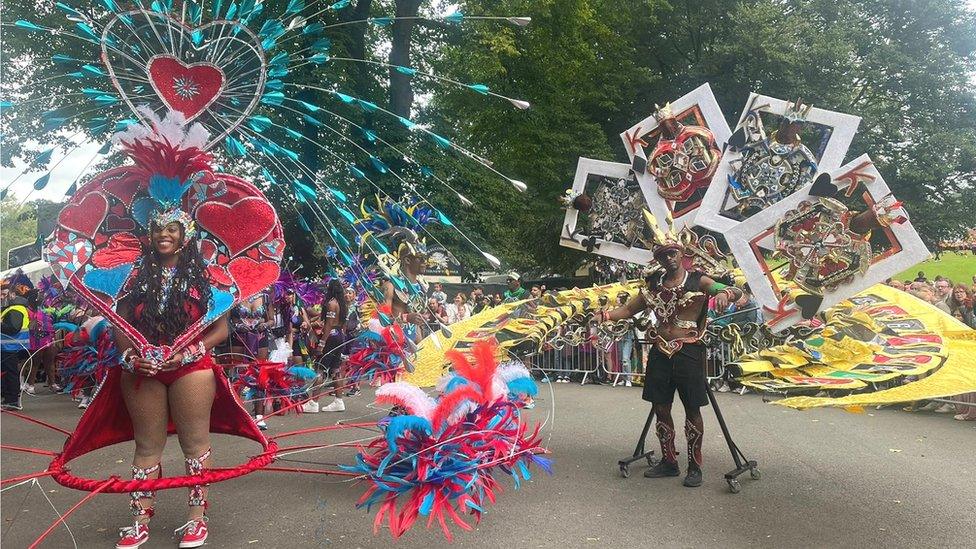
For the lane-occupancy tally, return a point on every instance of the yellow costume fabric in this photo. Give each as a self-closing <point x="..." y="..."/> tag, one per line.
<point x="522" y="323"/>
<point x="879" y="335"/>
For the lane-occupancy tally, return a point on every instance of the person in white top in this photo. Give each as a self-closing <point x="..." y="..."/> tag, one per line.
<point x="458" y="310"/>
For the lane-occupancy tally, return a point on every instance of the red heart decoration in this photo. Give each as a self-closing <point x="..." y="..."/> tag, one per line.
<point x="273" y="249"/>
<point x="85" y="216"/>
<point x="252" y="276"/>
<point x="188" y="89"/>
<point x="208" y="250"/>
<point x="122" y="248"/>
<point x="116" y="183"/>
<point x="220" y="275"/>
<point x="240" y="225"/>
<point x="115" y="223"/>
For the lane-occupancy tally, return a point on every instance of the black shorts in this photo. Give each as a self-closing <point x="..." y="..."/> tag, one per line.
<point x="332" y="355"/>
<point x="684" y="372"/>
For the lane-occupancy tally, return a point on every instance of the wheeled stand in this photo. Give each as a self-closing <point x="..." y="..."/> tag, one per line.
<point x="639" y="452"/>
<point x="742" y="463"/>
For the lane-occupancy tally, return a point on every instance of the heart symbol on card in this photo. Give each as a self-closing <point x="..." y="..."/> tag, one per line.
<point x="240" y="225"/>
<point x="85" y="216"/>
<point x="214" y="73"/>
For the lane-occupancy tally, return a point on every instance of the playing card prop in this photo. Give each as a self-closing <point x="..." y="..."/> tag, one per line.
<point x="777" y="148"/>
<point x="676" y="151"/>
<point x="604" y="211"/>
<point x="839" y="235"/>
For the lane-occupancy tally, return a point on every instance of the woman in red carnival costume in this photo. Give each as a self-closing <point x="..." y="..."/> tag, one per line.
<point x="168" y="292"/>
<point x="166" y="297"/>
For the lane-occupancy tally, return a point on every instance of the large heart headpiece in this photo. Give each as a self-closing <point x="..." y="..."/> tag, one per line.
<point x="102" y="232"/>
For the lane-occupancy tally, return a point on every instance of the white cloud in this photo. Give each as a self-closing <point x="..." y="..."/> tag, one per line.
<point x="66" y="173"/>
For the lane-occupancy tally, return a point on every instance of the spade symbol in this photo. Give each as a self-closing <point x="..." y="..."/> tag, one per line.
<point x="824" y="186"/>
<point x="639" y="164"/>
<point x="738" y="139"/>
<point x="808" y="305"/>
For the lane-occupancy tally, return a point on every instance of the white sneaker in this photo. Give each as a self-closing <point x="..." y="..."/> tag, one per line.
<point x="85" y="401"/>
<point x="946" y="409"/>
<point x="310" y="407"/>
<point x="336" y="406"/>
<point x="259" y="420"/>
<point x="628" y="383"/>
<point x="28" y="388"/>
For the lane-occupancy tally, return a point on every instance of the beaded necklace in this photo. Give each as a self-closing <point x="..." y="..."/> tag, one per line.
<point x="167" y="275"/>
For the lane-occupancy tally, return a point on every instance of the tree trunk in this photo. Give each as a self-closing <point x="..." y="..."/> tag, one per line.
<point x="357" y="45"/>
<point x="401" y="91"/>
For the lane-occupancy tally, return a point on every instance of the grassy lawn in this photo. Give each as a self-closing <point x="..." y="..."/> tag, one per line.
<point x="955" y="267"/>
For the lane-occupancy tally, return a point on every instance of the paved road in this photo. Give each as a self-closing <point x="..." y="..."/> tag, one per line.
<point x="829" y="478"/>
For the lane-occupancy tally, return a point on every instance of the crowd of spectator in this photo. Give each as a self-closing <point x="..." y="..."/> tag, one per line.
<point x="955" y="298"/>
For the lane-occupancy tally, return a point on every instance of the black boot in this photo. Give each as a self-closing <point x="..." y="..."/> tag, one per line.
<point x="694" y="434"/>
<point x="663" y="469"/>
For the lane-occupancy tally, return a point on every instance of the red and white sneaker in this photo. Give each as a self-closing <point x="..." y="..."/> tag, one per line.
<point x="132" y="536"/>
<point x="193" y="533"/>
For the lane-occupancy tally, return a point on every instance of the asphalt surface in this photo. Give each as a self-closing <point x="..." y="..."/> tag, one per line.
<point x="830" y="478"/>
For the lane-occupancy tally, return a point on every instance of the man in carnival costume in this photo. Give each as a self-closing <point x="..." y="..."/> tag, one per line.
<point x="678" y="296"/>
<point x="406" y="304"/>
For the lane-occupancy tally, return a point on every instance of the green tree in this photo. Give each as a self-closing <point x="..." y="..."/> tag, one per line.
<point x="592" y="68"/>
<point x="18" y="224"/>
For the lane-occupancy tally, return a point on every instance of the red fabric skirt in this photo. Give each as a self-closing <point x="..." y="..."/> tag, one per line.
<point x="107" y="421"/>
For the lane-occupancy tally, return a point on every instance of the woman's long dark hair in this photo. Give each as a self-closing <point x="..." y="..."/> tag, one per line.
<point x="162" y="327"/>
<point x="336" y="291"/>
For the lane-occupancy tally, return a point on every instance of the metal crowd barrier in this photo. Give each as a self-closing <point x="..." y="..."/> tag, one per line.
<point x="567" y="360"/>
<point x="590" y="359"/>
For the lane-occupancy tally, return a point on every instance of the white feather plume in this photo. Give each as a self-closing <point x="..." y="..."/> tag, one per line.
<point x="173" y="128"/>
<point x="443" y="381"/>
<point x="511" y="370"/>
<point x="411" y="397"/>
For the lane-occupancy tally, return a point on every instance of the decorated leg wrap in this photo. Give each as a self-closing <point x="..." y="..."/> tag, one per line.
<point x="694" y="436"/>
<point x="665" y="433"/>
<point x="135" y="503"/>
<point x="194" y="467"/>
